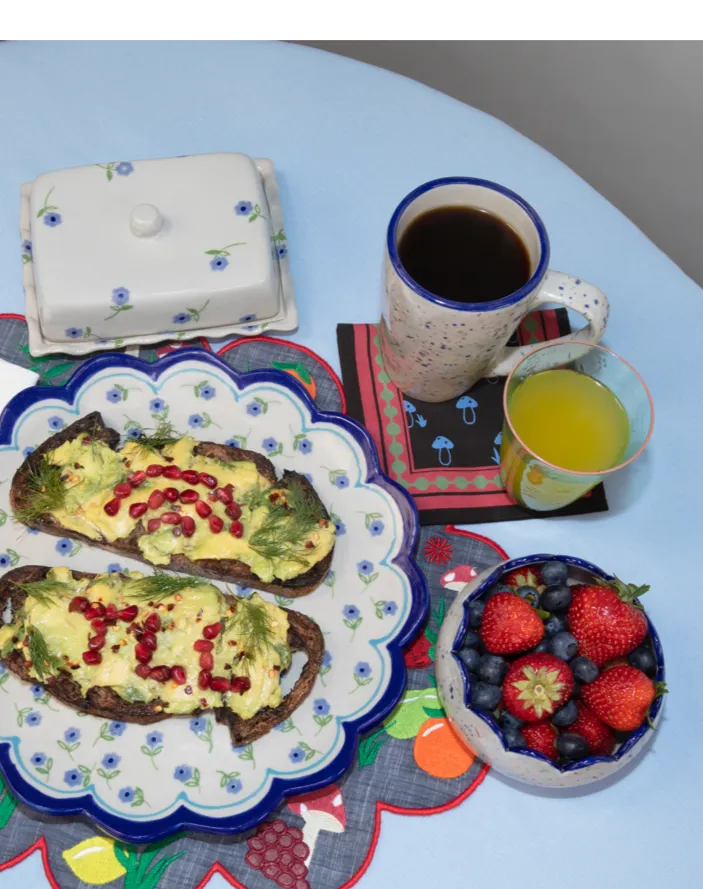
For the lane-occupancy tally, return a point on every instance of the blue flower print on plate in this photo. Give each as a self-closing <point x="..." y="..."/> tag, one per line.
<point x="376" y="528"/>
<point x="154" y="739"/>
<point x="390" y="608"/>
<point x="124" y="168"/>
<point x="198" y="725"/>
<point x="195" y="420"/>
<point x="64" y="547"/>
<point x="183" y="773"/>
<point x="116" y="728"/>
<point x="219" y="263"/>
<point x="351" y="612"/>
<point x="126" y="795"/>
<point x="113" y="395"/>
<point x="5" y="560"/>
<point x="243" y="208"/>
<point x="362" y="670"/>
<point x="114" y="568"/>
<point x="110" y="761"/>
<point x="271" y="446"/>
<point x="71" y="735"/>
<point x="297" y="754"/>
<point x="234" y="442"/>
<point x="234" y="785"/>
<point x="365" y="567"/>
<point x="73" y="778"/>
<point x="38" y="760"/>
<point x="134" y="432"/>
<point x="320" y="707"/>
<point x="182" y="318"/>
<point x="254" y="409"/>
<point x="53" y="219"/>
<point x="74" y="333"/>
<point x="29" y="450"/>
<point x="37" y="691"/>
<point x="156" y="405"/>
<point x="33" y="718"/>
<point x="56" y="424"/>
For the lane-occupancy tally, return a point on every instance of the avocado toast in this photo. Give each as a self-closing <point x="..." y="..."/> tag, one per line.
<point x="142" y="649"/>
<point x="197" y="507"/>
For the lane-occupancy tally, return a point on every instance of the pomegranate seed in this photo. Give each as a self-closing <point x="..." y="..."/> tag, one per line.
<point x="212" y="497"/>
<point x="78" y="603"/>
<point x="153" y="622"/>
<point x="129" y="613"/>
<point x="241" y="684"/>
<point x="171" y="518"/>
<point x="153" y="525"/>
<point x="111" y="611"/>
<point x="171" y="494"/>
<point x="236" y="529"/>
<point x="207" y="661"/>
<point x="98" y="626"/>
<point x="203" y="645"/>
<point x="124" y="489"/>
<point x="142" y="653"/>
<point x="179" y="675"/>
<point x="223" y="496"/>
<point x="112" y="507"/>
<point x="229" y="487"/>
<point x="142" y="670"/>
<point x="97" y="609"/>
<point x="95" y="643"/>
<point x="136" y="478"/>
<point x="188" y="526"/>
<point x="234" y="510"/>
<point x="204" y="679"/>
<point x="172" y="472"/>
<point x="219" y="683"/>
<point x="156" y="499"/>
<point x="190" y="476"/>
<point x="189" y="496"/>
<point x="160" y="674"/>
<point x="137" y="510"/>
<point x="211" y="631"/>
<point x="92" y="658"/>
<point x="154" y="469"/>
<point x="216" y="524"/>
<point x="208" y="480"/>
<point x="149" y="640"/>
<point x="203" y="509"/>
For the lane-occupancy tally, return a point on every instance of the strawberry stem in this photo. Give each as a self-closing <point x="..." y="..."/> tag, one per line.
<point x="628" y="591"/>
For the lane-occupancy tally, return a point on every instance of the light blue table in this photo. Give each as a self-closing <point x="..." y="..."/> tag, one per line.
<point x="349" y="141"/>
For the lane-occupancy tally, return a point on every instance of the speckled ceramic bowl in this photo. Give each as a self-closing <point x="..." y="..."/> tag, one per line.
<point x="481" y="729"/>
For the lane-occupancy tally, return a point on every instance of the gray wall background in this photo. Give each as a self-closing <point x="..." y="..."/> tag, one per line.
<point x="627" y="117"/>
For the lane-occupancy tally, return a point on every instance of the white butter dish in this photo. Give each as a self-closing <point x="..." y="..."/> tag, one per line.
<point x="132" y="253"/>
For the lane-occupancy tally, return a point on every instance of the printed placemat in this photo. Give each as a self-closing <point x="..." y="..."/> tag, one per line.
<point x="412" y="764"/>
<point x="446" y="455"/>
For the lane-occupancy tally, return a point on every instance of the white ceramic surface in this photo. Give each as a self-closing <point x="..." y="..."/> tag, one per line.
<point x="434" y="348"/>
<point x="482" y="732"/>
<point x="144" y="773"/>
<point x="132" y="253"/>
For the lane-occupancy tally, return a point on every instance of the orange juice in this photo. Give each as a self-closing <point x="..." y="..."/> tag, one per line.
<point x="570" y="420"/>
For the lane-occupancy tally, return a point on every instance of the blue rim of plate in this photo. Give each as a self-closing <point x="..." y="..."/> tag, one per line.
<point x="183" y="818"/>
<point x="493" y="577"/>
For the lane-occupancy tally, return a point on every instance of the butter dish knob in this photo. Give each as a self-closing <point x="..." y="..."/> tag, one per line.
<point x="145" y="221"/>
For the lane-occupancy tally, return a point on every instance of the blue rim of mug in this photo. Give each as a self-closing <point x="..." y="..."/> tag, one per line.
<point x="508" y="300"/>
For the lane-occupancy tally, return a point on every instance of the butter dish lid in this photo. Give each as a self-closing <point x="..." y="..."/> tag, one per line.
<point x="134" y="252"/>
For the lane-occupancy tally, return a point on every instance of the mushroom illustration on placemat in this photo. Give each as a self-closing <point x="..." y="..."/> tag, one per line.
<point x="320" y="810"/>
<point x="457" y="578"/>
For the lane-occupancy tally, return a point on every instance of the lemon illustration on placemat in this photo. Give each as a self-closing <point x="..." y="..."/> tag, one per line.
<point x="94" y="861"/>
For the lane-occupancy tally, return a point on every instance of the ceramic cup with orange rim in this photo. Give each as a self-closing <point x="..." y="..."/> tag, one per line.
<point x="574" y="414"/>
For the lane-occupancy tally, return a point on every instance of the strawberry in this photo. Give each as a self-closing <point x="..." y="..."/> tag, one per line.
<point x="541" y="736"/>
<point x="621" y="697"/>
<point x="605" y="622"/>
<point x="523" y="577"/>
<point x="510" y="625"/>
<point x="536" y="685"/>
<point x="601" y="740"/>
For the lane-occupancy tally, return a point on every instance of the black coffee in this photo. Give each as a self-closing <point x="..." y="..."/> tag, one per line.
<point x="464" y="254"/>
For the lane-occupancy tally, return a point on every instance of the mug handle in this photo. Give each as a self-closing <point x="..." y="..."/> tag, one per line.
<point x="574" y="293"/>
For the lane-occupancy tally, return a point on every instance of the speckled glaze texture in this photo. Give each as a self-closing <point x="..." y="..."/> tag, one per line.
<point x="481" y="730"/>
<point x="435" y="349"/>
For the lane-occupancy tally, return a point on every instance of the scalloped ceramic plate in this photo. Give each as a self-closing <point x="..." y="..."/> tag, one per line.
<point x="145" y="782"/>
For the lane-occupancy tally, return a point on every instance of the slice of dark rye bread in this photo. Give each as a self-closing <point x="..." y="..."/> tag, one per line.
<point x="303" y="635"/>
<point x="229" y="570"/>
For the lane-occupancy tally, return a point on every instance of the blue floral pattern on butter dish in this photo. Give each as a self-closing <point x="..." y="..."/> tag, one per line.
<point x="120" y="303"/>
<point x="219" y="261"/>
<point x="124" y="168"/>
<point x="49" y="212"/>
<point x="121" y="168"/>
<point x="26" y="251"/>
<point x="244" y="208"/>
<point x="191" y="314"/>
<point x="74" y="333"/>
<point x="247" y="319"/>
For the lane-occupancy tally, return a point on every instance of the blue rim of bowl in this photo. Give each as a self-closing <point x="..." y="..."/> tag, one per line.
<point x="184" y="818"/>
<point x="494" y="577"/>
<point x="508" y="300"/>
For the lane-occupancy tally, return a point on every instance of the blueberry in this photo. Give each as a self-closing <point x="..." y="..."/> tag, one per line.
<point x="543" y="646"/>
<point x="529" y="594"/>
<point x="470" y="658"/>
<point x="485" y="696"/>
<point x="498" y="588"/>
<point x="476" y="612"/>
<point x="472" y="640"/>
<point x="564" y="646"/>
<point x="643" y="658"/>
<point x="510" y="721"/>
<point x="554" y="572"/>
<point x="584" y="669"/>
<point x="572" y="746"/>
<point x="555" y="623"/>
<point x="514" y="737"/>
<point x="576" y="693"/>
<point x="492" y="669"/>
<point x="556" y="597"/>
<point x="568" y="714"/>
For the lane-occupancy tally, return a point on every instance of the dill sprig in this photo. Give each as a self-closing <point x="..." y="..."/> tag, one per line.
<point x="47" y="591"/>
<point x="160" y="586"/>
<point x="254" y="631"/>
<point x="44" y="492"/>
<point x="43" y="660"/>
<point x="162" y="437"/>
<point x="257" y="497"/>
<point x="281" y="533"/>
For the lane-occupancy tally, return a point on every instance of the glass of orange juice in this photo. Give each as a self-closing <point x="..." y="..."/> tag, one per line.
<point x="574" y="413"/>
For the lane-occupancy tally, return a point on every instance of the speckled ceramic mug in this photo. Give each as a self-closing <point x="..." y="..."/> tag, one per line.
<point x="435" y="348"/>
